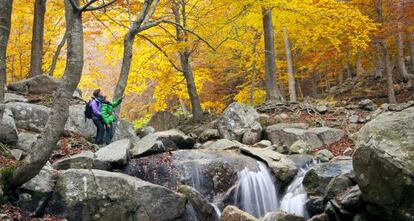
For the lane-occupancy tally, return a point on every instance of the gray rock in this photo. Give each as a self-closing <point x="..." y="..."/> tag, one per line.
<point x="42" y="84"/>
<point x="84" y="160"/>
<point x="224" y="144"/>
<point x="348" y="151"/>
<point x="163" y="120"/>
<point x="161" y="142"/>
<point x="106" y="196"/>
<point x="10" y="97"/>
<point x="354" y="119"/>
<point x="328" y="135"/>
<point x="17" y="154"/>
<point x="385" y="144"/>
<point x="319" y="176"/>
<point x="8" y="130"/>
<point x="26" y="141"/>
<point x="321" y="109"/>
<point x="282" y="216"/>
<point x="240" y="122"/>
<point x="324" y="155"/>
<point x="232" y="213"/>
<point x="282" y="167"/>
<point x="285" y="137"/>
<point x="315" y="204"/>
<point x="116" y="153"/>
<point x="336" y="186"/>
<point x="29" y="116"/>
<point x="320" y="217"/>
<point x="209" y="134"/>
<point x="367" y="104"/>
<point x="124" y="130"/>
<point x="263" y="144"/>
<point x="351" y="200"/>
<point x="77" y="123"/>
<point x="33" y="195"/>
<point x="144" y="131"/>
<point x="299" y="147"/>
<point x="301" y="160"/>
<point x="204" y="210"/>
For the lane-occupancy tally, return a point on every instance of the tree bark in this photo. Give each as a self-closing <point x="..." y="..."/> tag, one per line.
<point x="290" y="70"/>
<point x="388" y="70"/>
<point x="314" y="85"/>
<point x="36" y="59"/>
<point x="181" y="18"/>
<point x="359" y="69"/>
<point x="272" y="90"/>
<point x="57" y="53"/>
<point x="411" y="44"/>
<point x="5" y="25"/>
<point x="400" y="45"/>
<point x="37" y="158"/>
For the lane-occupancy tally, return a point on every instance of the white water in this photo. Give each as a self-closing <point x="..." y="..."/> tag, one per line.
<point x="256" y="193"/>
<point x="217" y="210"/>
<point x="295" y="198"/>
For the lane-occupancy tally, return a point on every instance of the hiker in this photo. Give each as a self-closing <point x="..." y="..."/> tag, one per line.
<point x="108" y="118"/>
<point x="93" y="111"/>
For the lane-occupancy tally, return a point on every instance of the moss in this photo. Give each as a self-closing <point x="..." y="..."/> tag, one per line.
<point x="5" y="175"/>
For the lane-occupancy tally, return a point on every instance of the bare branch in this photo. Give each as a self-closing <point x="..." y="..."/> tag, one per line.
<point x="151" y="11"/>
<point x="100" y="6"/>
<point x="85" y="6"/>
<point x="138" y="22"/>
<point x="75" y="7"/>
<point x="162" y="51"/>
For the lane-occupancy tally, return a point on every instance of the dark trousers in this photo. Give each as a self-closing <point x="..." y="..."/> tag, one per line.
<point x="109" y="133"/>
<point x="100" y="131"/>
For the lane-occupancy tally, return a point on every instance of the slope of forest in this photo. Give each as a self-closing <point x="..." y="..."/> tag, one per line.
<point x="231" y="110"/>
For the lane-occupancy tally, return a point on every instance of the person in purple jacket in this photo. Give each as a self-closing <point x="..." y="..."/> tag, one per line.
<point x="96" y="105"/>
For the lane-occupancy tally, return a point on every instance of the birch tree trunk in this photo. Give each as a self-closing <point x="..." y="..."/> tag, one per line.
<point x="37" y="158"/>
<point x="272" y="90"/>
<point x="5" y="25"/>
<point x="291" y="74"/>
<point x="181" y="35"/>
<point x="36" y="59"/>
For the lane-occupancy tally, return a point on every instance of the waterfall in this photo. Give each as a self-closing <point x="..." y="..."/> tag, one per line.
<point x="295" y="197"/>
<point x="256" y="192"/>
<point x="217" y="210"/>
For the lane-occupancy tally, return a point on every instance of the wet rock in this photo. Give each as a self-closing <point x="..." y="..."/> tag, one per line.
<point x="101" y="195"/>
<point x="301" y="160"/>
<point x="320" y="217"/>
<point x="42" y="84"/>
<point x="161" y="142"/>
<point x="240" y="122"/>
<point x="324" y="155"/>
<point x="282" y="216"/>
<point x="209" y="134"/>
<point x="351" y="200"/>
<point x="300" y="147"/>
<point x="281" y="166"/>
<point x="232" y="213"/>
<point x="210" y="172"/>
<point x="163" y="120"/>
<point x="116" y="153"/>
<point x="8" y="130"/>
<point x="319" y="176"/>
<point x="367" y="105"/>
<point x="33" y="195"/>
<point x="223" y="144"/>
<point x="335" y="212"/>
<point x="336" y="186"/>
<point x="84" y="160"/>
<point x="385" y="144"/>
<point x="29" y="116"/>
<point x="204" y="210"/>
<point x="328" y="135"/>
<point x="315" y="204"/>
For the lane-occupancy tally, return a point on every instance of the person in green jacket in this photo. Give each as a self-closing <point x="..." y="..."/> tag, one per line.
<point x="109" y="118"/>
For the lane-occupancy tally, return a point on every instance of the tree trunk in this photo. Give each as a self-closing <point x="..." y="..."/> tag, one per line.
<point x="388" y="70"/>
<point x="400" y="44"/>
<point x="379" y="66"/>
<point x="5" y="24"/>
<point x="36" y="59"/>
<point x="272" y="90"/>
<point x="314" y="85"/>
<point x="359" y="69"/>
<point x="181" y="18"/>
<point x="411" y="44"/>
<point x="126" y="66"/>
<point x="57" y="53"/>
<point x="37" y="158"/>
<point x="183" y="106"/>
<point x="291" y="74"/>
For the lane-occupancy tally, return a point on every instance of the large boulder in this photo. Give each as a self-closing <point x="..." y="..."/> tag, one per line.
<point x="10" y="97"/>
<point x="84" y="160"/>
<point x="232" y="213"/>
<point x="223" y="144"/>
<point x="203" y="209"/>
<point x="384" y="164"/>
<point x="29" y="116"/>
<point x="33" y="195"/>
<point x="209" y="172"/>
<point x="41" y="84"/>
<point x="116" y="153"/>
<point x="240" y="122"/>
<point x="8" y="130"/>
<point x="328" y="135"/>
<point x="282" y="216"/>
<point x="77" y="123"/>
<point x="284" y="135"/>
<point x="161" y="142"/>
<point x="281" y="165"/>
<point x="106" y="196"/>
<point x="26" y="141"/>
<point x="163" y="120"/>
<point x="318" y="177"/>
<point x="125" y="130"/>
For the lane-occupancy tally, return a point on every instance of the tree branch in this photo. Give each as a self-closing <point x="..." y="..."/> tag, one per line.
<point x="151" y="11"/>
<point x="85" y="6"/>
<point x="100" y="6"/>
<point x="75" y="7"/>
